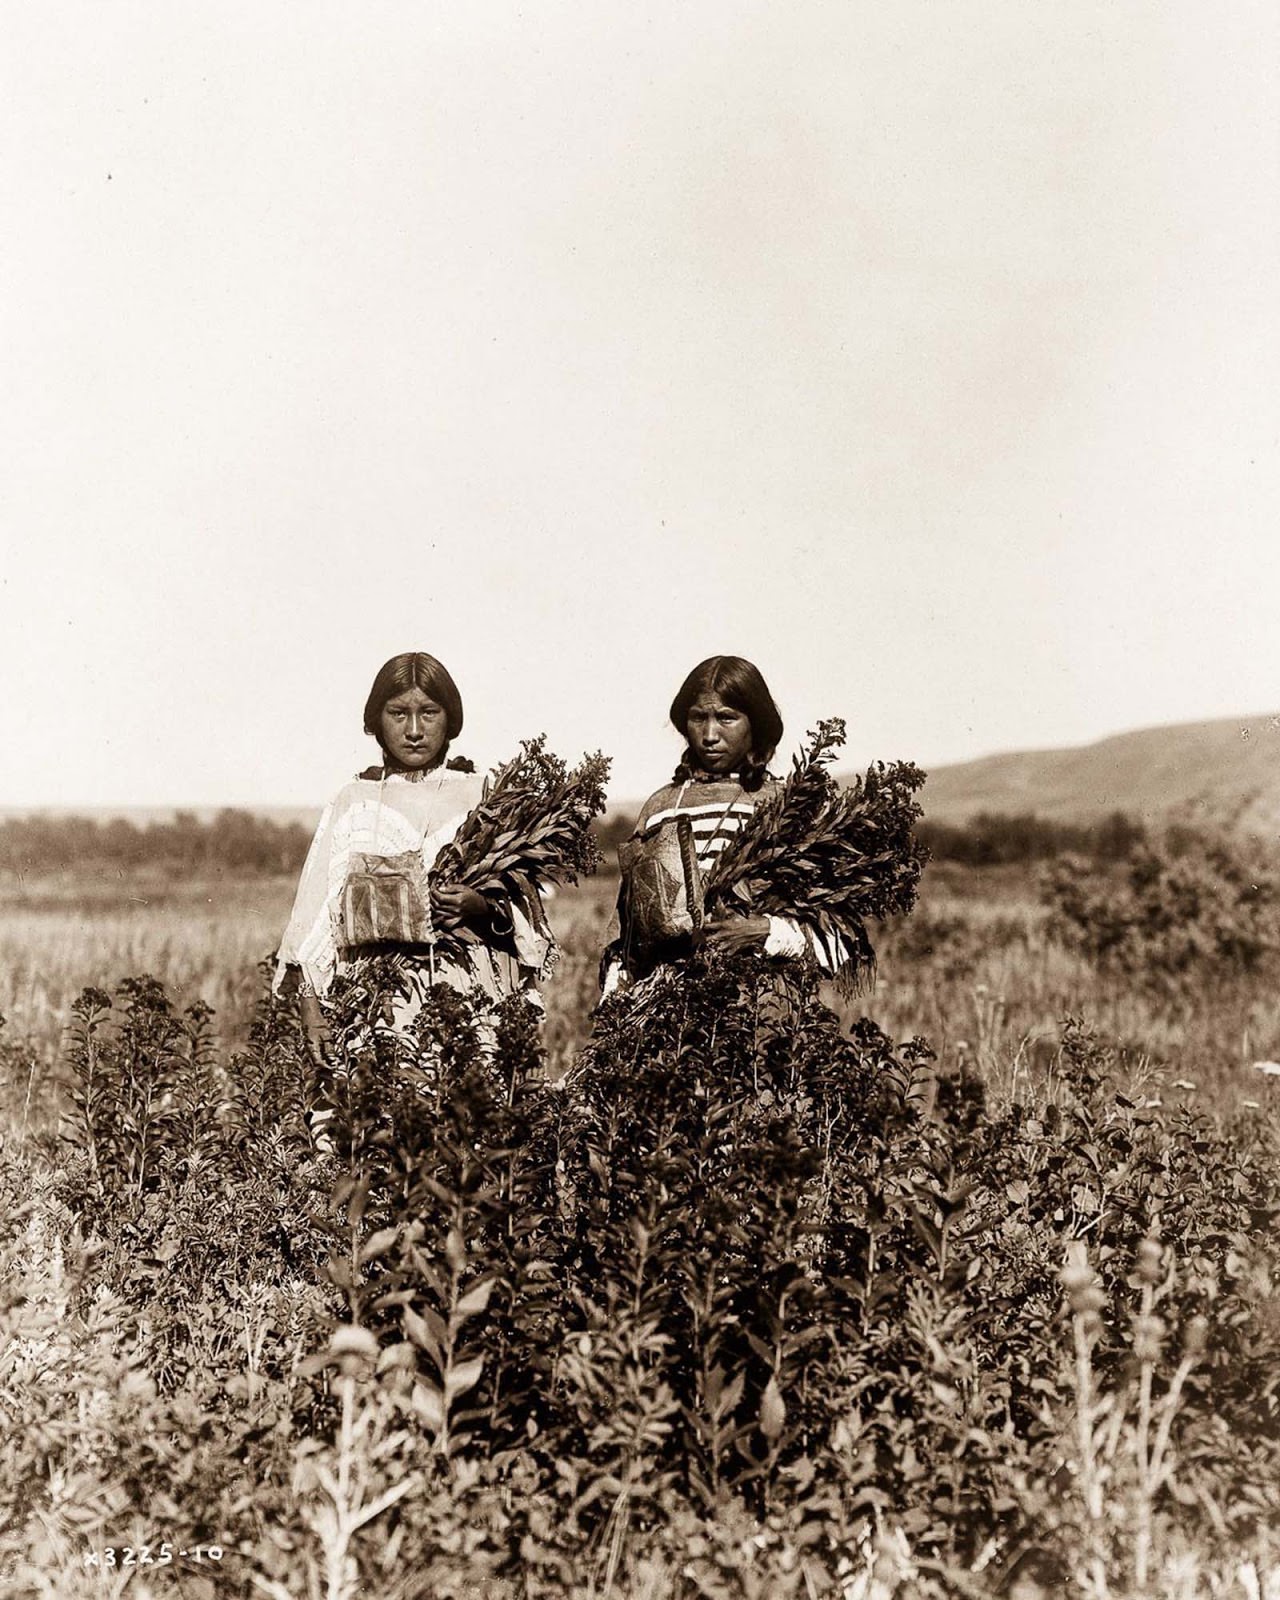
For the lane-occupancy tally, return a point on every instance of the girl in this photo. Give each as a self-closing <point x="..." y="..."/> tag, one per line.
<point x="731" y="728"/>
<point x="365" y="887"/>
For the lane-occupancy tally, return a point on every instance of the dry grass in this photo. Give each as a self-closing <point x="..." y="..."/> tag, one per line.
<point x="202" y="940"/>
<point x="971" y="971"/>
<point x="205" y="940"/>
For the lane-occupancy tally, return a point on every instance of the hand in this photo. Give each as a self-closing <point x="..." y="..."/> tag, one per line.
<point x="457" y="903"/>
<point x="315" y="1028"/>
<point x="614" y="981"/>
<point x="736" y="933"/>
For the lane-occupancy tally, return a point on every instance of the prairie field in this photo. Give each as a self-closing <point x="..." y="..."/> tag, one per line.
<point x="203" y="940"/>
<point x="970" y="970"/>
<point x="206" y="940"/>
<point x="993" y="1313"/>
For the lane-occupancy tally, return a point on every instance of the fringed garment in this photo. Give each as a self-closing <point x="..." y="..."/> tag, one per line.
<point x="391" y="815"/>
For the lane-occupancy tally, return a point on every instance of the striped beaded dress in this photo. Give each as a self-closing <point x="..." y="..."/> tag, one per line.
<point x="717" y="809"/>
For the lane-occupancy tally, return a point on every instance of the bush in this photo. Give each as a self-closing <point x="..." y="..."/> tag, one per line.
<point x="728" y="1276"/>
<point x="724" y="1314"/>
<point x="1190" y="909"/>
<point x="230" y="841"/>
<point x="994" y="839"/>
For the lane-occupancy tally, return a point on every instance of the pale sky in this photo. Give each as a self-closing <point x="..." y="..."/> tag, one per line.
<point x="927" y="353"/>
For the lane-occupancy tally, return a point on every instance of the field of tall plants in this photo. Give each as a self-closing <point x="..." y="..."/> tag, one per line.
<point x="965" y="1286"/>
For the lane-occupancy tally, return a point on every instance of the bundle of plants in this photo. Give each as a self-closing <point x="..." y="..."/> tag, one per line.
<point x="832" y="857"/>
<point x="727" y="1027"/>
<point x="531" y="828"/>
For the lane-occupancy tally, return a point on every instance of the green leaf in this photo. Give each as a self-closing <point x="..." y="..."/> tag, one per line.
<point x="399" y="1356"/>
<point x="377" y="1244"/>
<point x="461" y="1377"/>
<point x="426" y="1400"/>
<point x="476" y="1299"/>
<point x="423" y="1334"/>
<point x="773" y="1411"/>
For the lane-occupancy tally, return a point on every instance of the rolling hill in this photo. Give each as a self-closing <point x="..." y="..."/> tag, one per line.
<point x="1215" y="774"/>
<point x="1224" y="773"/>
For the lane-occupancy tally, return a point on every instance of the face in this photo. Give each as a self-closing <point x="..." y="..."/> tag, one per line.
<point x="719" y="736"/>
<point x="413" y="729"/>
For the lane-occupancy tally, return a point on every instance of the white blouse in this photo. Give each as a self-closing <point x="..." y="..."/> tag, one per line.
<point x="391" y="816"/>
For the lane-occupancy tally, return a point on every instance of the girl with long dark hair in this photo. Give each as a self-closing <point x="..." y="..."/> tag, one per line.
<point x="731" y="727"/>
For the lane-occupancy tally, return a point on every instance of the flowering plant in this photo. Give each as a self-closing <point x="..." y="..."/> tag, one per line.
<point x="531" y="827"/>
<point x="828" y="855"/>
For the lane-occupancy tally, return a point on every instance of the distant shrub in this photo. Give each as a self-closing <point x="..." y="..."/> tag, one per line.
<point x="996" y="840"/>
<point x="231" y="841"/>
<point x="1187" y="907"/>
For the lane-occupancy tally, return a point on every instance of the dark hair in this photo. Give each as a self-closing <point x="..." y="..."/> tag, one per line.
<point x="414" y="670"/>
<point x="739" y="684"/>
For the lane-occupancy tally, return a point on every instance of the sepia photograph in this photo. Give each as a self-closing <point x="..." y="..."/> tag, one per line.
<point x="640" y="800"/>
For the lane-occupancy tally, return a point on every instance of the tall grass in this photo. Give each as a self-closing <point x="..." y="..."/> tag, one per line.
<point x="202" y="939"/>
<point x="973" y="971"/>
<point x="976" y="972"/>
<point x="205" y="940"/>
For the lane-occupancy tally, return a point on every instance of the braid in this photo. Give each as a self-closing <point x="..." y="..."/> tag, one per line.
<point x="754" y="770"/>
<point x="751" y="775"/>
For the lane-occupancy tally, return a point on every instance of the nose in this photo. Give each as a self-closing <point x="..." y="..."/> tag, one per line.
<point x="415" y="729"/>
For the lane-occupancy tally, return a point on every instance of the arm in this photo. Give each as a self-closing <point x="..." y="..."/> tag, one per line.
<point x="738" y="933"/>
<point x="456" y="902"/>
<point x="515" y="922"/>
<point x="308" y="942"/>
<point x="315" y="1027"/>
<point x="780" y="938"/>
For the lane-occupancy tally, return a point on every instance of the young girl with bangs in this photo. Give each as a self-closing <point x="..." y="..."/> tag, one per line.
<point x="378" y="840"/>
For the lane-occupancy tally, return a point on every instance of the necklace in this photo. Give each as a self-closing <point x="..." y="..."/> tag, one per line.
<point x="412" y="774"/>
